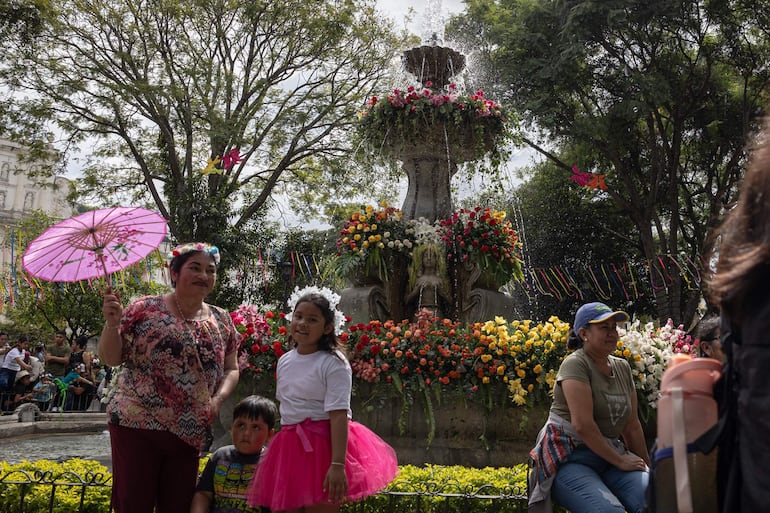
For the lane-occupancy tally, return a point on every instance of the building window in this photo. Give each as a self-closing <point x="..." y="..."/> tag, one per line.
<point x="29" y="200"/>
<point x="5" y="171"/>
<point x="2" y="200"/>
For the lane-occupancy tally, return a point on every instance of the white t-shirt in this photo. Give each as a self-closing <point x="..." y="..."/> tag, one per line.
<point x="312" y="385"/>
<point x="10" y="359"/>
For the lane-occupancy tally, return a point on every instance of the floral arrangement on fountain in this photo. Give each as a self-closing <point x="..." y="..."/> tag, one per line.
<point x="485" y="237"/>
<point x="264" y="339"/>
<point x="368" y="237"/>
<point x="422" y="115"/>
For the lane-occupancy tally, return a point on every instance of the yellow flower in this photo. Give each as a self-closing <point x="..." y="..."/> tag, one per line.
<point x="485" y="380"/>
<point x="500" y="370"/>
<point x="518" y="393"/>
<point x="521" y="373"/>
<point x="538" y="369"/>
<point x="486" y="357"/>
<point x="357" y="237"/>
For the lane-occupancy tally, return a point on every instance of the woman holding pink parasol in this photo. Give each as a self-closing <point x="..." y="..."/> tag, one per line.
<point x="179" y="365"/>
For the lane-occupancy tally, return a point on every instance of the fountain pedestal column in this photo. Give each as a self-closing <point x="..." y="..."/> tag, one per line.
<point x="429" y="194"/>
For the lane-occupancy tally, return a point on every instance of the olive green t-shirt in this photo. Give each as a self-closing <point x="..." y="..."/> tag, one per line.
<point x="57" y="369"/>
<point x="611" y="394"/>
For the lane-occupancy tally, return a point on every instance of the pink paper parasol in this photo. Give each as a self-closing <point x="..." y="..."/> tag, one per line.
<point x="94" y="243"/>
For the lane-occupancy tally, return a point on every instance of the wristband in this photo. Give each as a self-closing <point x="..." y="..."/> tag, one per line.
<point x="338" y="463"/>
<point x="112" y="326"/>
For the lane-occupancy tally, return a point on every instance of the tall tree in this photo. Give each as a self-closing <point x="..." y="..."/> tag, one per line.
<point x="578" y="232"/>
<point x="662" y="95"/>
<point x="166" y="86"/>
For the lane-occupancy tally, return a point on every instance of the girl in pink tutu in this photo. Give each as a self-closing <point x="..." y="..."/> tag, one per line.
<point x="320" y="458"/>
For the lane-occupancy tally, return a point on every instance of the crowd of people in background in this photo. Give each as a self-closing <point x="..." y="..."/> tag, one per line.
<point x="58" y="376"/>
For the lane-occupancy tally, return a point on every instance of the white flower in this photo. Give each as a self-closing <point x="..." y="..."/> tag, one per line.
<point x="330" y="295"/>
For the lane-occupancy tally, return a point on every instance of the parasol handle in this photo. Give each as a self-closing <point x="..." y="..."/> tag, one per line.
<point x="100" y="256"/>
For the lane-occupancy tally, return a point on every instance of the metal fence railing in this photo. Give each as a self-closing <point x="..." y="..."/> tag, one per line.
<point x="68" y="403"/>
<point x="68" y="492"/>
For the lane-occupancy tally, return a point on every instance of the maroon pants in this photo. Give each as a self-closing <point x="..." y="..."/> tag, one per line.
<point x="152" y="471"/>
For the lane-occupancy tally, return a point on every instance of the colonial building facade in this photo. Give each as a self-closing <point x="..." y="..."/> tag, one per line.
<point x="20" y="195"/>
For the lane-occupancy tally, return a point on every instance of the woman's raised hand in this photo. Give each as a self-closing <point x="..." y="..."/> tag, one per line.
<point x="112" y="308"/>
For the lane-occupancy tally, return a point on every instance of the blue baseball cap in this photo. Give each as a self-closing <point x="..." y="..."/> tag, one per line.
<point x="591" y="313"/>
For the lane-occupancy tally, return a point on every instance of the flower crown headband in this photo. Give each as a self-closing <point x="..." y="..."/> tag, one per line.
<point x="213" y="251"/>
<point x="332" y="297"/>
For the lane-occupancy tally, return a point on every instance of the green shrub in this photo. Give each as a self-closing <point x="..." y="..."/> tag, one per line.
<point x="72" y="479"/>
<point x="430" y="489"/>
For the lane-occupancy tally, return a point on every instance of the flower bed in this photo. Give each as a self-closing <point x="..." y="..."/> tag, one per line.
<point x="493" y="363"/>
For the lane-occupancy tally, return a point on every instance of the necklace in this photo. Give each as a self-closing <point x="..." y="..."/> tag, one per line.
<point x="187" y="322"/>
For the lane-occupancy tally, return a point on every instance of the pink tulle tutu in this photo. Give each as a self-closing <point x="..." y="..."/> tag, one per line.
<point x="291" y="472"/>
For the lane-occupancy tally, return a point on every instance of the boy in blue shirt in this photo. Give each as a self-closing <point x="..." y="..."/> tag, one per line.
<point x="223" y="484"/>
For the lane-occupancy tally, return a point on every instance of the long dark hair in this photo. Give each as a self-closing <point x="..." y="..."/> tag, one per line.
<point x="573" y="340"/>
<point x="328" y="341"/>
<point x="741" y="243"/>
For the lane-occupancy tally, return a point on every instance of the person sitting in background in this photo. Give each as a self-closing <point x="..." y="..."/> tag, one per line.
<point x="224" y="481"/>
<point x="79" y="389"/>
<point x="707" y="335"/>
<point x="22" y="390"/>
<point x="591" y="456"/>
<point x="43" y="391"/>
<point x="98" y="371"/>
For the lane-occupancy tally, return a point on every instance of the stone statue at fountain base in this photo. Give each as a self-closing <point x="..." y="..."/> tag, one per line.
<point x="480" y="300"/>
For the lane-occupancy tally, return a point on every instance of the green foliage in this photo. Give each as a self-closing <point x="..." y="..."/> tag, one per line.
<point x="21" y="21"/>
<point x="439" y="487"/>
<point x="660" y="97"/>
<point x="179" y="84"/>
<point x="566" y="226"/>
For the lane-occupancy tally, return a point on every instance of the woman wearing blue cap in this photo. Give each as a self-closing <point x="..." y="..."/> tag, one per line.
<point x="591" y="455"/>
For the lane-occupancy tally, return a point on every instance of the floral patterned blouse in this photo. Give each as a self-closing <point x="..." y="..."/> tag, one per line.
<point x="171" y="369"/>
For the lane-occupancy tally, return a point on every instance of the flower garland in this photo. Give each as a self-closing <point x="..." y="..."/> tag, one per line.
<point x="402" y="117"/>
<point x="332" y="297"/>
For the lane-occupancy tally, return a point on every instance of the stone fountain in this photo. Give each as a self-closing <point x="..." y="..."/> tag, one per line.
<point x="430" y="159"/>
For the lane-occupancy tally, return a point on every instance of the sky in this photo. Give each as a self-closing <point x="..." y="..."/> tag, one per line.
<point x="399" y="9"/>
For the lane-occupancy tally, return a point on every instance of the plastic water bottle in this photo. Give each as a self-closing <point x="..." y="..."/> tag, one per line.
<point x="685" y="478"/>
